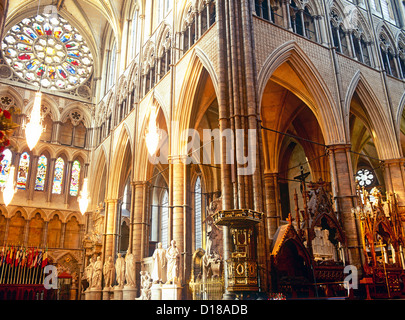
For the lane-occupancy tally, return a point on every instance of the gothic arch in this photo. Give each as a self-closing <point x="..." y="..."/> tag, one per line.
<point x="97" y="179"/>
<point x="317" y="95"/>
<point x="32" y="214"/>
<point x="198" y="63"/>
<point x="82" y="114"/>
<point x="122" y="148"/>
<point x="77" y="215"/>
<point x="165" y="29"/>
<point x="23" y="211"/>
<point x="144" y="168"/>
<point x="10" y="91"/>
<point x="383" y="29"/>
<point x="47" y="150"/>
<point x="377" y="122"/>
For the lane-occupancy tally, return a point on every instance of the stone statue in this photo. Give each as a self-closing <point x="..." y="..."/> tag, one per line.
<point x="159" y="263"/>
<point x="89" y="272"/>
<point x="130" y="269"/>
<point x="120" y="270"/>
<point x="214" y="233"/>
<point x="212" y="266"/>
<point x="173" y="259"/>
<point x="97" y="274"/>
<point x="108" y="272"/>
<point x="146" y="284"/>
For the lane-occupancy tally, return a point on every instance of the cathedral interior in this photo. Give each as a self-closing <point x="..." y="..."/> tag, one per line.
<point x="202" y="149"/>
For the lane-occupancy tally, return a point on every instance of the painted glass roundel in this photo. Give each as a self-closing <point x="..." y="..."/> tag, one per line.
<point x="47" y="51"/>
<point x="365" y="177"/>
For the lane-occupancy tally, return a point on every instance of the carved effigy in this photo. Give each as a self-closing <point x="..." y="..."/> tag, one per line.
<point x="97" y="274"/>
<point x="159" y="264"/>
<point x="207" y="274"/>
<point x="108" y="271"/>
<point x="89" y="270"/>
<point x="146" y="285"/>
<point x="214" y="232"/>
<point x="173" y="263"/>
<point x="130" y="269"/>
<point x="120" y="270"/>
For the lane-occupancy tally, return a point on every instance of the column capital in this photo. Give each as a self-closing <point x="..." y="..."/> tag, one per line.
<point x="342" y="147"/>
<point x="111" y="201"/>
<point x="177" y="158"/>
<point x="393" y="162"/>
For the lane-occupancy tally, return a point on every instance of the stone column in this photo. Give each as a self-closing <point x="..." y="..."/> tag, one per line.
<point x="178" y="201"/>
<point x="139" y="237"/>
<point x="45" y="234"/>
<point x="272" y="216"/>
<point x="55" y="132"/>
<point x="50" y="175"/>
<point x="62" y="235"/>
<point x="110" y="229"/>
<point x="66" y="182"/>
<point x="7" y="229"/>
<point x="137" y="220"/>
<point x="32" y="177"/>
<point x="344" y="191"/>
<point x="26" y="232"/>
<point x="394" y="176"/>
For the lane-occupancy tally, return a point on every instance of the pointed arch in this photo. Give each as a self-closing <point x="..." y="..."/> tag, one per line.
<point x="376" y="118"/>
<point x="316" y="95"/>
<point x="77" y="215"/>
<point x="199" y="62"/>
<point x="120" y="156"/>
<point x="98" y="178"/>
<point x="23" y="211"/>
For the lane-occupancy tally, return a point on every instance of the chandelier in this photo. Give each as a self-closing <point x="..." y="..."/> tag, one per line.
<point x="9" y="189"/>
<point x="152" y="135"/>
<point x="34" y="129"/>
<point x="84" y="198"/>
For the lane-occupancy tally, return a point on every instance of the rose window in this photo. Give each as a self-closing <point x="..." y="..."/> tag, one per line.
<point x="47" y="51"/>
<point x="364" y="177"/>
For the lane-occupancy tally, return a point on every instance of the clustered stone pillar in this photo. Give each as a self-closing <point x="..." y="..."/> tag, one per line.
<point x="139" y="234"/>
<point x="181" y="218"/>
<point x="242" y="186"/>
<point x="110" y="234"/>
<point x="394" y="175"/>
<point x="273" y="218"/>
<point x="344" y="191"/>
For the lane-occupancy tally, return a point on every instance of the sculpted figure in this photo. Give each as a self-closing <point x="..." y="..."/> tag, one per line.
<point x="120" y="270"/>
<point x="159" y="263"/>
<point x="173" y="259"/>
<point x="97" y="274"/>
<point x="89" y="272"/>
<point x="108" y="272"/>
<point x="130" y="269"/>
<point x="146" y="284"/>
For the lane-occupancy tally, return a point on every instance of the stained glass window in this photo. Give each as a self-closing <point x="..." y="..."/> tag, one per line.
<point x="5" y="167"/>
<point x="74" y="181"/>
<point x="41" y="173"/>
<point x="23" y="167"/>
<point x="58" y="177"/>
<point x="364" y="177"/>
<point x="47" y="50"/>
<point x="164" y="219"/>
<point x="197" y="214"/>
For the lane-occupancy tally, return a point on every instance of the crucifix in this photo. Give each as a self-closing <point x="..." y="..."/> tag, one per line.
<point x="302" y="178"/>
